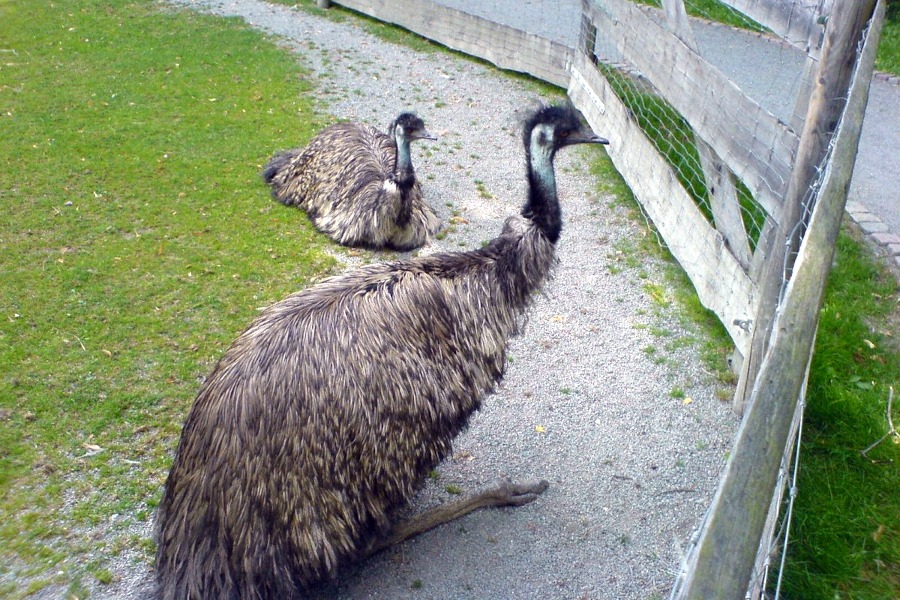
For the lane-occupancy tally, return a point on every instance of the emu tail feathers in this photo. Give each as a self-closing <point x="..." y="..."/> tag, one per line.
<point x="276" y="164"/>
<point x="278" y="173"/>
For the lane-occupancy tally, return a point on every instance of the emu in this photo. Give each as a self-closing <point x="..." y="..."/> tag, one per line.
<point x="325" y="416"/>
<point x="357" y="185"/>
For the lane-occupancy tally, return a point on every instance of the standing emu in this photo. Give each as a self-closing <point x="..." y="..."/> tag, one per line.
<point x="325" y="416"/>
<point x="357" y="185"/>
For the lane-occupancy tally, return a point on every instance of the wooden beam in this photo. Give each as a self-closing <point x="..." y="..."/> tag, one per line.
<point x="727" y="547"/>
<point x="826" y="103"/>
<point x="720" y="281"/>
<point x="720" y="186"/>
<point x="503" y="46"/>
<point x="754" y="144"/>
<point x="792" y="20"/>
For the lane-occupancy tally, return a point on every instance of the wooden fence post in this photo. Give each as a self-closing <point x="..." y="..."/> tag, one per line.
<point x="723" y="565"/>
<point x="825" y="106"/>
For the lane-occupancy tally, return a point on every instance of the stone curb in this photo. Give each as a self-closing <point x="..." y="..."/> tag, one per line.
<point x="876" y="230"/>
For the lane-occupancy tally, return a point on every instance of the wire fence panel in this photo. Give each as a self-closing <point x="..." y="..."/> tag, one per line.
<point x="718" y="277"/>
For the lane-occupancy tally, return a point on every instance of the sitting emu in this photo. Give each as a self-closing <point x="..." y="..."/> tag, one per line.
<point x="326" y="415"/>
<point x="357" y="185"/>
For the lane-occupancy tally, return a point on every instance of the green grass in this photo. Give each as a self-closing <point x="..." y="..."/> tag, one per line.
<point x="888" y="57"/>
<point x="137" y="241"/>
<point x="706" y="331"/>
<point x="845" y="539"/>
<point x="713" y="10"/>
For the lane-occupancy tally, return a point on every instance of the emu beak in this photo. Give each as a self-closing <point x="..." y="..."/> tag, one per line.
<point x="422" y="134"/>
<point x="584" y="136"/>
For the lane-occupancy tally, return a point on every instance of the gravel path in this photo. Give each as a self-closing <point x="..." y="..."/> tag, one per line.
<point x="586" y="404"/>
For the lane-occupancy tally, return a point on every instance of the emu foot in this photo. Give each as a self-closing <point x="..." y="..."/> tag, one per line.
<point x="504" y="492"/>
<point x="501" y="493"/>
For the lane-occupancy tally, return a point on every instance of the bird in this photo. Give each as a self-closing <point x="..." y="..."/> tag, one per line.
<point x="325" y="416"/>
<point x="357" y="184"/>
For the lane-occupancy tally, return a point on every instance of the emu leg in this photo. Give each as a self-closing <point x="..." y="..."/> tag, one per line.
<point x="501" y="493"/>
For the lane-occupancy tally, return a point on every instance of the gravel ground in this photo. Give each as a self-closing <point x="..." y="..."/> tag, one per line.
<point x="584" y="404"/>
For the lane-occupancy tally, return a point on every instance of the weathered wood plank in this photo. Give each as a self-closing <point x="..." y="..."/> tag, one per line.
<point x="720" y="281"/>
<point x="503" y="46"/>
<point x="792" y="20"/>
<point x="754" y="144"/>
<point x="723" y="197"/>
<point x="726" y="553"/>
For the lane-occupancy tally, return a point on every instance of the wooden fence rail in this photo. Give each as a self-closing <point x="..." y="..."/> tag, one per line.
<point x="504" y="46"/>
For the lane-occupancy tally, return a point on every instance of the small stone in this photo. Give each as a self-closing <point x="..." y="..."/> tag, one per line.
<point x="864" y="216"/>
<point x="873" y="227"/>
<point x="885" y="238"/>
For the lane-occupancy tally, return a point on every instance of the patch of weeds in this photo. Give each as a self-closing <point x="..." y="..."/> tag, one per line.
<point x="417" y="584"/>
<point x="658" y="331"/>
<point x="103" y="576"/>
<point x="443" y="233"/>
<point x="482" y="190"/>
<point x="677" y="393"/>
<point x="657" y="294"/>
<point x="452" y="488"/>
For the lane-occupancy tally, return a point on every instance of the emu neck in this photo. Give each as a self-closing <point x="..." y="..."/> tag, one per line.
<point x="404" y="175"/>
<point x="542" y="207"/>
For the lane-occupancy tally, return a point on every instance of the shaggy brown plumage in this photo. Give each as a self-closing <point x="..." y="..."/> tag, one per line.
<point x="325" y="416"/>
<point x="358" y="185"/>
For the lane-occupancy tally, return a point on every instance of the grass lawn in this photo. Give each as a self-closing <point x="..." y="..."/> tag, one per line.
<point x="888" y="57"/>
<point x="845" y="538"/>
<point x="136" y="241"/>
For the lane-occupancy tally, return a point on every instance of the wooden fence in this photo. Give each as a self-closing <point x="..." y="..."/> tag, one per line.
<point x="506" y="47"/>
<point x="765" y="285"/>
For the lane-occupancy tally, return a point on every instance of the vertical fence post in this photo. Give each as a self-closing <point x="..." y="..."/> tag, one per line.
<point x="827" y="100"/>
<point x="723" y="566"/>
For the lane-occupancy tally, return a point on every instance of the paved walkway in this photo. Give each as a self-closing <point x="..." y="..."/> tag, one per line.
<point x="771" y="77"/>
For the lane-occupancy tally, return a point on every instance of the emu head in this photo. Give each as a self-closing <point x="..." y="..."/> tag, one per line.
<point x="550" y="128"/>
<point x="410" y="127"/>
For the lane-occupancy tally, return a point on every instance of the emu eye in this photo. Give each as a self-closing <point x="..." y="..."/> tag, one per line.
<point x="564" y="134"/>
